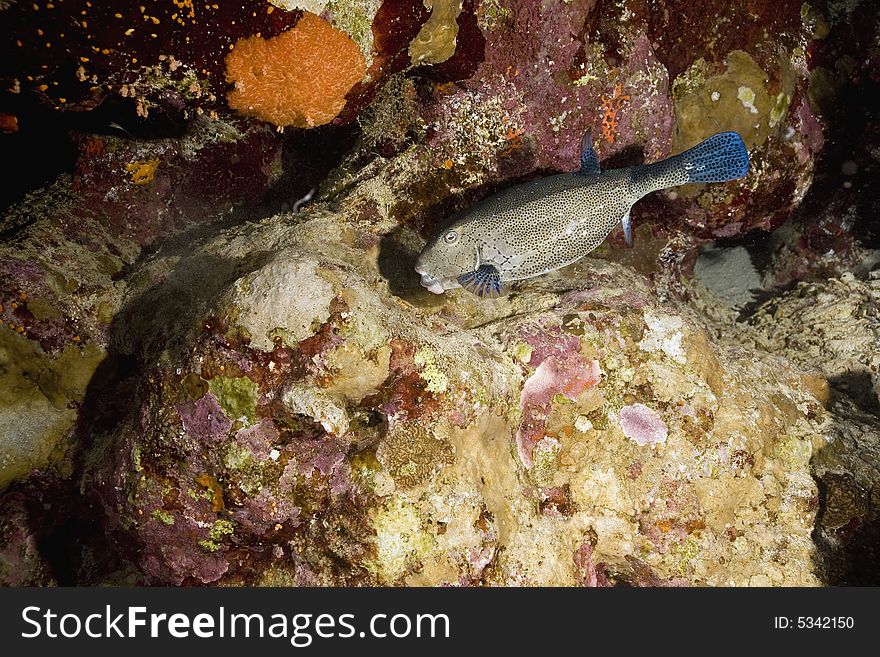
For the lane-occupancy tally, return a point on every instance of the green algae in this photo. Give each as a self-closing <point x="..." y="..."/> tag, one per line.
<point x="793" y="452"/>
<point x="545" y="461"/>
<point x="685" y="554"/>
<point x="355" y="18"/>
<point x="220" y="530"/>
<point x="364" y="469"/>
<point x="250" y="476"/>
<point x="401" y="542"/>
<point x="236" y="396"/>
<point x="163" y="516"/>
<point x="734" y="100"/>
<point x="431" y="374"/>
<point x="136" y="459"/>
<point x="523" y="352"/>
<point x="493" y="14"/>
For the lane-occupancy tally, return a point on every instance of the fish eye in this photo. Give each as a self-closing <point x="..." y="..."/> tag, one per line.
<point x="451" y="237"/>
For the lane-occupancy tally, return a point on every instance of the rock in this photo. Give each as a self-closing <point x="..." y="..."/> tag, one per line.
<point x="849" y="483"/>
<point x="488" y="434"/>
<point x="62" y="264"/>
<point x="21" y="560"/>
<point x="144" y="190"/>
<point x="45" y="540"/>
<point x="830" y="329"/>
<point x="279" y="402"/>
<point x="729" y="273"/>
<point x="833" y="326"/>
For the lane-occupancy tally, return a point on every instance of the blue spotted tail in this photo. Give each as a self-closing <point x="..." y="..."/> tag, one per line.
<point x="720" y="158"/>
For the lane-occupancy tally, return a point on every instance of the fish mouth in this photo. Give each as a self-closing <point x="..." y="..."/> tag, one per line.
<point x="433" y="284"/>
<point x="435" y="287"/>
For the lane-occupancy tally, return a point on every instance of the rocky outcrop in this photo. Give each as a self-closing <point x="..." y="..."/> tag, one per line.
<point x="245" y="394"/>
<point x="297" y="421"/>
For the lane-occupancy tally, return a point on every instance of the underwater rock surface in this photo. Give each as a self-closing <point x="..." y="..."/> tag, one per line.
<point x="64" y="256"/>
<point x="848" y="476"/>
<point x="239" y="393"/>
<point x="834" y="326"/>
<point x="300" y="423"/>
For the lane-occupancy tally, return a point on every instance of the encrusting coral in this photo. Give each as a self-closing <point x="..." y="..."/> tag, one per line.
<point x="299" y="77"/>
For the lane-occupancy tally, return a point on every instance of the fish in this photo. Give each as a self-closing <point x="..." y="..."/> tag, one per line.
<point x="543" y="225"/>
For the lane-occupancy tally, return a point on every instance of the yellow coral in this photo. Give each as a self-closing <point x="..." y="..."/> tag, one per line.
<point x="436" y="41"/>
<point x="436" y="379"/>
<point x="142" y="173"/>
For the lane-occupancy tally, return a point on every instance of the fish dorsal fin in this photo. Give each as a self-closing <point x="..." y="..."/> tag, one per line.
<point x="627" y="228"/>
<point x="589" y="159"/>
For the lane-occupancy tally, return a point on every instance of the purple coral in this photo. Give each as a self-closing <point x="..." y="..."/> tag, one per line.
<point x="642" y="425"/>
<point x="204" y="419"/>
<point x="259" y="438"/>
<point x="546" y="342"/>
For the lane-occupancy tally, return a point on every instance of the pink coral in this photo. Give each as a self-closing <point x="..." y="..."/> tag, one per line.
<point x="568" y="376"/>
<point x="259" y="438"/>
<point x="641" y="424"/>
<point x="546" y="342"/>
<point x="589" y="574"/>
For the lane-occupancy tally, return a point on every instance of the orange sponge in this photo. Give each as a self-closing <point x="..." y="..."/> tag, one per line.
<point x="299" y="77"/>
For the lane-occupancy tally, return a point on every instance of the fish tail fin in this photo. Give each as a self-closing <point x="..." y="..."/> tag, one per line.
<point x="720" y="158"/>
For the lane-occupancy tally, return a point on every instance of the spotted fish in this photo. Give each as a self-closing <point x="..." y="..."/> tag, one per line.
<point x="542" y="225"/>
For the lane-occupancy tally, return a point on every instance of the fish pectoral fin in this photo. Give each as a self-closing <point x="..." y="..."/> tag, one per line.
<point x="626" y="222"/>
<point x="589" y="158"/>
<point x="485" y="281"/>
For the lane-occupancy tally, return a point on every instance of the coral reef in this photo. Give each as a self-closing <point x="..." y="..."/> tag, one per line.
<point x="80" y="52"/>
<point x="21" y="561"/>
<point x="274" y="416"/>
<point x="65" y="249"/>
<point x="843" y="334"/>
<point x="217" y="365"/>
<point x="848" y="477"/>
